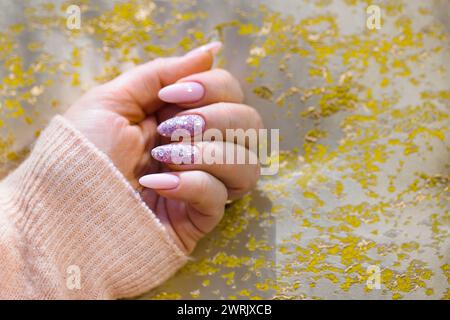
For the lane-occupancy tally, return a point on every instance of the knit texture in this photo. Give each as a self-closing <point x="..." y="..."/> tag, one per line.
<point x="66" y="209"/>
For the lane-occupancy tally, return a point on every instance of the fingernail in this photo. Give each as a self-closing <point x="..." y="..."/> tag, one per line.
<point x="192" y="123"/>
<point x="183" y="92"/>
<point x="160" y="181"/>
<point x="177" y="153"/>
<point x="213" y="47"/>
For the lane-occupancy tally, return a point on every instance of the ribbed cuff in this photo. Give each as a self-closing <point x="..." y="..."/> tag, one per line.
<point x="74" y="210"/>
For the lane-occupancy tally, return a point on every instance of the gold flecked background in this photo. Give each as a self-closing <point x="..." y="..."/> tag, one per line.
<point x="363" y="117"/>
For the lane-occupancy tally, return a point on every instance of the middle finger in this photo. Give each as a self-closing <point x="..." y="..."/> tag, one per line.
<point x="226" y="118"/>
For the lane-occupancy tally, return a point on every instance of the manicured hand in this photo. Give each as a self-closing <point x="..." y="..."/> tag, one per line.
<point x="130" y="116"/>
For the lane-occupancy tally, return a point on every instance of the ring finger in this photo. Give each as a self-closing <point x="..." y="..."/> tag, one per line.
<point x="233" y="164"/>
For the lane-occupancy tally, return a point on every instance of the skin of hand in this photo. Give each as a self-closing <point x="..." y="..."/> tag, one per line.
<point x="121" y="117"/>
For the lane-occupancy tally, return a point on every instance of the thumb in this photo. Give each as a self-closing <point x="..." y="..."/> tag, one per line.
<point x="142" y="83"/>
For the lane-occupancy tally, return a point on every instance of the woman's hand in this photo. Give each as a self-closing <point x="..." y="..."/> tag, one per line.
<point x="122" y="116"/>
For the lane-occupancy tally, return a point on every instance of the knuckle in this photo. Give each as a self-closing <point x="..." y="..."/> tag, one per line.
<point x="255" y="170"/>
<point x="238" y="90"/>
<point x="224" y="75"/>
<point x="247" y="184"/>
<point x="257" y="174"/>
<point x="223" y="198"/>
<point x="256" y="117"/>
<point x="203" y="184"/>
<point x="230" y="84"/>
<point x="239" y="191"/>
<point x="253" y="178"/>
<point x="219" y="213"/>
<point x="158" y="61"/>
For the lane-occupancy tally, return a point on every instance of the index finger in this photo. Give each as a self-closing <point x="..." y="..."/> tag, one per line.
<point x="204" y="88"/>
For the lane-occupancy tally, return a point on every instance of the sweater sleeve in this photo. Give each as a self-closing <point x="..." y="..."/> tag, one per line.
<point x="71" y="226"/>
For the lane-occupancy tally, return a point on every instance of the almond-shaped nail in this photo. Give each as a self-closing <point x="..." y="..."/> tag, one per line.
<point x="213" y="47"/>
<point x="176" y="153"/>
<point x="192" y="123"/>
<point x="183" y="92"/>
<point x="160" y="181"/>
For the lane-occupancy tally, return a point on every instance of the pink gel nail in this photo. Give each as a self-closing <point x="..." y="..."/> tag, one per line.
<point x="160" y="181"/>
<point x="183" y="92"/>
<point x="214" y="47"/>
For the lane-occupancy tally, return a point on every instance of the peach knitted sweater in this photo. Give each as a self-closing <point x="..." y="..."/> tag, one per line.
<point x="71" y="227"/>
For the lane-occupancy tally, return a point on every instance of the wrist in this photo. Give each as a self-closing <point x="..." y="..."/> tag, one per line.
<point x="74" y="208"/>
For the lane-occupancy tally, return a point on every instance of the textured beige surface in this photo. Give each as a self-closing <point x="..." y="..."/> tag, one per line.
<point x="364" y="178"/>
